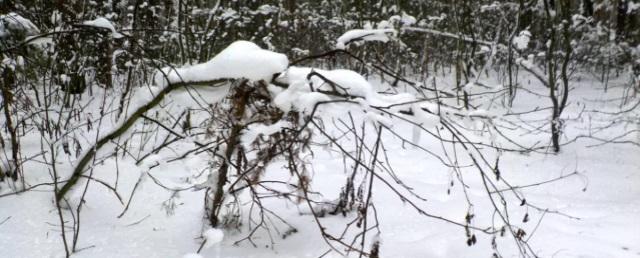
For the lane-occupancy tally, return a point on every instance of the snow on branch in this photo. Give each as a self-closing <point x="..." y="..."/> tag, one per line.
<point x="521" y="42"/>
<point x="103" y="23"/>
<point x="308" y="86"/>
<point x="240" y="60"/>
<point x="15" y="22"/>
<point x="348" y="37"/>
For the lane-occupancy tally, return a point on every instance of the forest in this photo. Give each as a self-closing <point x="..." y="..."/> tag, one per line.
<point x="319" y="128"/>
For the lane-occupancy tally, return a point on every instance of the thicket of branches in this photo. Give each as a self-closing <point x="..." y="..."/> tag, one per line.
<point x="63" y="79"/>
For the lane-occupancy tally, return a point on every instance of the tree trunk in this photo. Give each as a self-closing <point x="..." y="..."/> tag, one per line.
<point x="240" y="99"/>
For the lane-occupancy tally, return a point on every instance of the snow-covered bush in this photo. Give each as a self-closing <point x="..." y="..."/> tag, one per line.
<point x="247" y="105"/>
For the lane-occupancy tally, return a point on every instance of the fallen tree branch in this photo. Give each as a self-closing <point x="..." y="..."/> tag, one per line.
<point x="122" y="128"/>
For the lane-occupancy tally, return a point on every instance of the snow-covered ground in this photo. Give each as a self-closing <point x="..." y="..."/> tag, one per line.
<point x="591" y="214"/>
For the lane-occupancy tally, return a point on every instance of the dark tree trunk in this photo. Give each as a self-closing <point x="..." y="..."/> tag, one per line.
<point x="587" y="8"/>
<point x="621" y="21"/>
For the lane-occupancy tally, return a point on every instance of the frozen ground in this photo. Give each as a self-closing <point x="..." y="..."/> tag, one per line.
<point x="601" y="205"/>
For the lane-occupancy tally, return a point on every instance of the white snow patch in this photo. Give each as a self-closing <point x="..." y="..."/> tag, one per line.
<point x="241" y="59"/>
<point x="364" y="35"/>
<point x="192" y="255"/>
<point x="385" y="25"/>
<point x="16" y="22"/>
<point x="305" y="92"/>
<point x="522" y="40"/>
<point x="492" y="7"/>
<point x="253" y="131"/>
<point x="307" y="102"/>
<point x="631" y="7"/>
<point x="404" y="19"/>
<point x="152" y="161"/>
<point x="212" y="236"/>
<point x="379" y="119"/>
<point x="425" y="119"/>
<point x="346" y="81"/>
<point x="102" y="22"/>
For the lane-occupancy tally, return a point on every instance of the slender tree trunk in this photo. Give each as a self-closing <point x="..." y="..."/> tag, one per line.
<point x="587" y="8"/>
<point x="7" y="96"/>
<point x="551" y="72"/>
<point x="621" y="20"/>
<point x="240" y="100"/>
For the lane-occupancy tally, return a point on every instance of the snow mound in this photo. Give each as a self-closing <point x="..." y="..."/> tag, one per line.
<point x="241" y="59"/>
<point x="346" y="81"/>
<point x="365" y="35"/>
<point x="212" y="236"/>
<point x="309" y="86"/>
<point x="102" y="22"/>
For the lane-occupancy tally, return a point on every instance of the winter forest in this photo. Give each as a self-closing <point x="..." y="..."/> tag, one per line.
<point x="320" y="128"/>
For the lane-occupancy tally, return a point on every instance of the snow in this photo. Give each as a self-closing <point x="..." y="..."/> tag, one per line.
<point x="151" y="161"/>
<point x="522" y="40"/>
<point x="308" y="88"/>
<point x="479" y="113"/>
<point x="604" y="197"/>
<point x="253" y="131"/>
<point x="162" y="223"/>
<point x="267" y="9"/>
<point x="212" y="237"/>
<point x="14" y="21"/>
<point x="56" y="17"/>
<point x="379" y="119"/>
<point x="11" y="63"/>
<point x="492" y="7"/>
<point x="307" y="102"/>
<point x="346" y="81"/>
<point x="529" y="64"/>
<point x="632" y="7"/>
<point x="103" y="23"/>
<point x="241" y="59"/>
<point x="350" y="36"/>
<point x="404" y="19"/>
<point x="425" y="119"/>
<point x="304" y="93"/>
<point x="228" y="64"/>
<point x="289" y="99"/>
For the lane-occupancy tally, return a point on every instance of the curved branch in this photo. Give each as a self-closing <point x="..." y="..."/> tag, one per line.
<point x="122" y="128"/>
